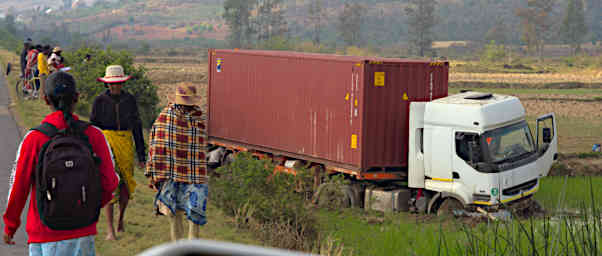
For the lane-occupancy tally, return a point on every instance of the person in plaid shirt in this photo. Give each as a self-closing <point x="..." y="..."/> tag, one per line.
<point x="176" y="164"/>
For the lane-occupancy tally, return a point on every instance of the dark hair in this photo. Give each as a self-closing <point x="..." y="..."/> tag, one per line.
<point x="61" y="92"/>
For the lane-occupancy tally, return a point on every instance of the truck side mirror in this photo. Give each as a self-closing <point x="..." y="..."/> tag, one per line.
<point x="547" y="135"/>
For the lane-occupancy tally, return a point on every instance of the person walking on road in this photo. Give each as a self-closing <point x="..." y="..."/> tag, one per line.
<point x="116" y="112"/>
<point x="176" y="165"/>
<point x="76" y="236"/>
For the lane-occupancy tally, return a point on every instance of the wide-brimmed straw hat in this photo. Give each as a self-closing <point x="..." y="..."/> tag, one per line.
<point x="57" y="49"/>
<point x="114" y="74"/>
<point x="188" y="94"/>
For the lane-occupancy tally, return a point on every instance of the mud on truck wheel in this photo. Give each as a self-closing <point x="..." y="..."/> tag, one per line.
<point x="331" y="195"/>
<point x="447" y="207"/>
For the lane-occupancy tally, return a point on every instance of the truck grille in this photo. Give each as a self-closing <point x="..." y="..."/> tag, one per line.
<point x="518" y="188"/>
<point x="479" y="197"/>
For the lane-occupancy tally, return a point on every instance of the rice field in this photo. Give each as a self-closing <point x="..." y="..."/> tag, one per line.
<point x="167" y="72"/>
<point x="593" y="76"/>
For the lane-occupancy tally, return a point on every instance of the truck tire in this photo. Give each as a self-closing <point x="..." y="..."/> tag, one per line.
<point x="447" y="207"/>
<point x="228" y="159"/>
<point x="333" y="195"/>
<point x="358" y="191"/>
<point x="351" y="195"/>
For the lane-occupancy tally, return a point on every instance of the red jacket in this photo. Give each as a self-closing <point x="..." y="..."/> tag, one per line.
<point x="22" y="184"/>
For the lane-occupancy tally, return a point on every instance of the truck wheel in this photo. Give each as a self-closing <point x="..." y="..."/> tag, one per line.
<point x="448" y="206"/>
<point x="333" y="195"/>
<point x="358" y="192"/>
<point x="352" y="196"/>
<point x="228" y="159"/>
<point x="225" y="164"/>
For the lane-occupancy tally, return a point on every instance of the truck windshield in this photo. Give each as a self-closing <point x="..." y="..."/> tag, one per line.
<point x="509" y="143"/>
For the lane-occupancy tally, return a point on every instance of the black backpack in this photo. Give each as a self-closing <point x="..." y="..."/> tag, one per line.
<point x="67" y="178"/>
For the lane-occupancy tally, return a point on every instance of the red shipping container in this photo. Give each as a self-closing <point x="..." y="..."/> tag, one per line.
<point x="342" y="111"/>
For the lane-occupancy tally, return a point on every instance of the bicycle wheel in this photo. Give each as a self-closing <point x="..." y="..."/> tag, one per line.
<point x="19" y="89"/>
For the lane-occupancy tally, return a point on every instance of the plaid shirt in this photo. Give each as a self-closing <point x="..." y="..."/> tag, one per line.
<point x="177" y="146"/>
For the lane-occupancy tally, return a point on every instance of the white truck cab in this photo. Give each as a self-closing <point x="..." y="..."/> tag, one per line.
<point x="478" y="148"/>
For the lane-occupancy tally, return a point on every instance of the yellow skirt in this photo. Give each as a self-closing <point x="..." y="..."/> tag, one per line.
<point x="122" y="145"/>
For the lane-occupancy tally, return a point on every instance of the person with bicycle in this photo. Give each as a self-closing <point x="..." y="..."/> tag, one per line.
<point x="26" y="47"/>
<point x="31" y="70"/>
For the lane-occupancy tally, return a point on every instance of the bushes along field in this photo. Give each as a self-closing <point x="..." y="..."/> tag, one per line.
<point x="86" y="73"/>
<point x="265" y="202"/>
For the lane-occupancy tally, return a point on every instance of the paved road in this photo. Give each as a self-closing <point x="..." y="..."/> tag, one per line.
<point x="9" y="141"/>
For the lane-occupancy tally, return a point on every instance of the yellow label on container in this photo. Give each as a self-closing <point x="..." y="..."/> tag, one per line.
<point x="353" y="141"/>
<point x="347" y="96"/>
<point x="379" y="78"/>
<point x="405" y="96"/>
<point x="356" y="103"/>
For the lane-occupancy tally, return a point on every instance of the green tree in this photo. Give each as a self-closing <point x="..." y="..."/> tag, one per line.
<point x="493" y="52"/>
<point x="350" y="24"/>
<point x="8" y="40"/>
<point x="498" y="33"/>
<point x="237" y="14"/>
<point x="536" y="21"/>
<point x="421" y="20"/>
<point x="86" y="73"/>
<point x="573" y="28"/>
<point x="10" y="24"/>
<point x="594" y="20"/>
<point x="67" y="4"/>
<point x="270" y="20"/>
<point x="315" y="19"/>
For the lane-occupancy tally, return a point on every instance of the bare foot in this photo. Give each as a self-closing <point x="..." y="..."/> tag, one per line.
<point x="111" y="237"/>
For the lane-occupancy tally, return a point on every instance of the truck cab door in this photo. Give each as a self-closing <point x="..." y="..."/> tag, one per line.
<point x="546" y="142"/>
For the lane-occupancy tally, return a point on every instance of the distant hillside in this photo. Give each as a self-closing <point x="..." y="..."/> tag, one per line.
<point x="179" y="19"/>
<point x="7" y="6"/>
<point x="145" y="20"/>
<point x="384" y="22"/>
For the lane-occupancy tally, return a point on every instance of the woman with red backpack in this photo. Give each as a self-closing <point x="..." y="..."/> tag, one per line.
<point x="63" y="212"/>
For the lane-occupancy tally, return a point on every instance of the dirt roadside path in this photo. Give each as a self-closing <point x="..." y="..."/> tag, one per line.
<point x="9" y="142"/>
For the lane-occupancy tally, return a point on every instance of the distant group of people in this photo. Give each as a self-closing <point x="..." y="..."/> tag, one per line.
<point x="39" y="61"/>
<point x="175" y="165"/>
